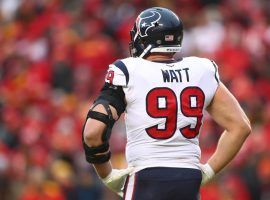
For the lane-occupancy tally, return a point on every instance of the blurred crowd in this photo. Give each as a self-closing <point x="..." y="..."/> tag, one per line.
<point x="53" y="58"/>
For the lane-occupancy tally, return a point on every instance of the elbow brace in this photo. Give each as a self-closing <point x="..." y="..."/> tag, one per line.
<point x="101" y="153"/>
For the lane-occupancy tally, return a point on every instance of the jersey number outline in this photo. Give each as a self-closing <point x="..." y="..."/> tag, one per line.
<point x="169" y="110"/>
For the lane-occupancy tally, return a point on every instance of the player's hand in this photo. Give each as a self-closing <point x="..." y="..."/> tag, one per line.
<point x="116" y="179"/>
<point x="207" y="173"/>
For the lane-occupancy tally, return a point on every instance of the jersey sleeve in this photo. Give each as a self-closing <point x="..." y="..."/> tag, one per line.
<point x="209" y="80"/>
<point x="117" y="74"/>
<point x="211" y="72"/>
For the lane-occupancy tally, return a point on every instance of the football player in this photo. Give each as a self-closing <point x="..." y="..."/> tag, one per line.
<point x="164" y="101"/>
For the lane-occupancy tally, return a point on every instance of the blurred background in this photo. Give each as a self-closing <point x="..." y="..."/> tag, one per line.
<point x="53" y="58"/>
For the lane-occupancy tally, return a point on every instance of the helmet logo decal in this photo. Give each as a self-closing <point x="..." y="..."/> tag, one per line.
<point x="145" y="23"/>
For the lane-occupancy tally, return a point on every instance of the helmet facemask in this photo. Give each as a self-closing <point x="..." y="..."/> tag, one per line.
<point x="136" y="45"/>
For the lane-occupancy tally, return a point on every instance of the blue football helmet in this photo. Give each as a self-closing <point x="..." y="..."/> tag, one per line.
<point x="156" y="30"/>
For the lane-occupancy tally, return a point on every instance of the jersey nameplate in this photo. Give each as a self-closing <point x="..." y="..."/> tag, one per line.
<point x="175" y="75"/>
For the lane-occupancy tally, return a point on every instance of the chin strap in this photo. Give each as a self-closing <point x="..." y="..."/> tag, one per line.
<point x="146" y="51"/>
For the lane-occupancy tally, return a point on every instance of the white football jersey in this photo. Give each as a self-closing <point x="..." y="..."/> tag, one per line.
<point x="165" y="108"/>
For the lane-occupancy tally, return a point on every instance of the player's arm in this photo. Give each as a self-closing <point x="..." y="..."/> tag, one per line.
<point x="227" y="112"/>
<point x="93" y="132"/>
<point x="96" y="134"/>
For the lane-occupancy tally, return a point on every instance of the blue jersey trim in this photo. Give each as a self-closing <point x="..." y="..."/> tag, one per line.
<point x="216" y="71"/>
<point x="119" y="64"/>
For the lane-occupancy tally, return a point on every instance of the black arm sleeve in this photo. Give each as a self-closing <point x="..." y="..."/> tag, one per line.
<point x="115" y="96"/>
<point x="109" y="95"/>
